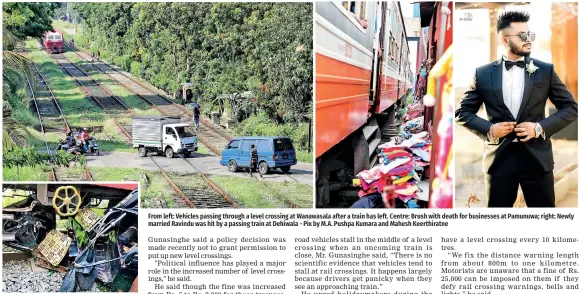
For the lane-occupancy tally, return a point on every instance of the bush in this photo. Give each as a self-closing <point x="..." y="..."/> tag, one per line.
<point x="260" y="125"/>
<point x="136" y="68"/>
<point x="29" y="157"/>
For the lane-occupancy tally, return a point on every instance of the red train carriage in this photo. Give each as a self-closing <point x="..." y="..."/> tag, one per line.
<point x="362" y="71"/>
<point x="53" y="42"/>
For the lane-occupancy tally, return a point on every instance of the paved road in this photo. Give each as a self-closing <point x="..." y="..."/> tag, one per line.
<point x="208" y="164"/>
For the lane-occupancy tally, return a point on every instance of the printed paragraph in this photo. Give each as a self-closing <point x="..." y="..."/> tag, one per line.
<point x="347" y="264"/>
<point x="181" y="261"/>
<point x="544" y="266"/>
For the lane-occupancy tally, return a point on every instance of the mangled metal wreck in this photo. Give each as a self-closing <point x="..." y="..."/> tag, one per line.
<point x="89" y="231"/>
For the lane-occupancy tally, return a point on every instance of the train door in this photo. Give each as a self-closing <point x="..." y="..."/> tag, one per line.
<point x="379" y="44"/>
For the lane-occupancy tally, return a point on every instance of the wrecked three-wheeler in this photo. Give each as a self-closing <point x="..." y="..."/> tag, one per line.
<point x="87" y="230"/>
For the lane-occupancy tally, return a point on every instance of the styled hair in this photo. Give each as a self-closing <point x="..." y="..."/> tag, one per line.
<point x="505" y="19"/>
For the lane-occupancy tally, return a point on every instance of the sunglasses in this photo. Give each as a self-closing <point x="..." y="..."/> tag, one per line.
<point x="524" y="36"/>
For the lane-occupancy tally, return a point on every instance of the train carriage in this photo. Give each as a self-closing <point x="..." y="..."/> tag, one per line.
<point x="361" y="72"/>
<point x="53" y="42"/>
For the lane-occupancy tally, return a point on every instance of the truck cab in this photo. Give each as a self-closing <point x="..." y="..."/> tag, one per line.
<point x="163" y="135"/>
<point x="177" y="139"/>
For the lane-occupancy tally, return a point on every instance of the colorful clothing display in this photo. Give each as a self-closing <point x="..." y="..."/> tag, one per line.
<point x="399" y="168"/>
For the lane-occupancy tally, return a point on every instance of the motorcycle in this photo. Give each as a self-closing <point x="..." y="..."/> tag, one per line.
<point x="93" y="147"/>
<point x="63" y="145"/>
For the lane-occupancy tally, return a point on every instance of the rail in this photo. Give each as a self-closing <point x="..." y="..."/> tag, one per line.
<point x="154" y="91"/>
<point x="90" y="94"/>
<point x="53" y="174"/>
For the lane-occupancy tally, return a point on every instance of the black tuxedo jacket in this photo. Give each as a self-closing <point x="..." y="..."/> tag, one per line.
<point x="543" y="84"/>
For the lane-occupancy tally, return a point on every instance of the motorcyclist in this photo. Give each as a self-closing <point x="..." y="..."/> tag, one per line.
<point x="70" y="141"/>
<point x="84" y="138"/>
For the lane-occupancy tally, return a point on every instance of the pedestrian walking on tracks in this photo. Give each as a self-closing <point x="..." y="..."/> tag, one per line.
<point x="196" y="115"/>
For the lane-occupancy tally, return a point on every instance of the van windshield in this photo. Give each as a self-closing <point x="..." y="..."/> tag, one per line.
<point x="283" y="145"/>
<point x="183" y="133"/>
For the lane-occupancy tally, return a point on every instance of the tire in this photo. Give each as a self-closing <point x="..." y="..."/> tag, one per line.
<point x="285" y="169"/>
<point x="169" y="152"/>
<point x="263" y="168"/>
<point x="232" y="166"/>
<point x="142" y="151"/>
<point x="186" y="153"/>
<point x="98" y="152"/>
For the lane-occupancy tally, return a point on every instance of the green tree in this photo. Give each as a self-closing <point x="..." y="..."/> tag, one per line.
<point x="27" y="19"/>
<point x="221" y="48"/>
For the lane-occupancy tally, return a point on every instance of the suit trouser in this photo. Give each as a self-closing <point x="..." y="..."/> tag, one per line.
<point x="517" y="166"/>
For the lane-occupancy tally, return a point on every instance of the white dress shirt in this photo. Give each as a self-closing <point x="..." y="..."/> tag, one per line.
<point x="513" y="86"/>
<point x="513" y="89"/>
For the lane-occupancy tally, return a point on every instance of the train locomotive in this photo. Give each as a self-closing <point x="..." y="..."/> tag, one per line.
<point x="53" y="42"/>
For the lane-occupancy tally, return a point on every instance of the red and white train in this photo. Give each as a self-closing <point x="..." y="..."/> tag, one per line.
<point x="53" y="42"/>
<point x="362" y="71"/>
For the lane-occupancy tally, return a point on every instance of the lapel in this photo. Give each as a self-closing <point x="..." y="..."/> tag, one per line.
<point x="529" y="81"/>
<point x="497" y="79"/>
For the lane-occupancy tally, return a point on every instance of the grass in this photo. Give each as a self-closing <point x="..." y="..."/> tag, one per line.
<point x="249" y="193"/>
<point x="27" y="173"/>
<point x="254" y="194"/>
<point x="304" y="156"/>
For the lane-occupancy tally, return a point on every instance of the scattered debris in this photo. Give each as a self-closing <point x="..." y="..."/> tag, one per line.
<point x="99" y="241"/>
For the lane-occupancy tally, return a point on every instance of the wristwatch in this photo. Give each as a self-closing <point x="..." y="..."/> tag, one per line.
<point x="538" y="130"/>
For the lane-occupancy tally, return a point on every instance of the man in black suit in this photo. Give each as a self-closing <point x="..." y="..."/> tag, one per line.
<point x="514" y="90"/>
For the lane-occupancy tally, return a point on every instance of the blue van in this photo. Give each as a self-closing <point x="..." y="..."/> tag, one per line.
<point x="272" y="153"/>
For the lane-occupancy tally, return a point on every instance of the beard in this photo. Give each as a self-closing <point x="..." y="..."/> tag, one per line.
<point x="518" y="50"/>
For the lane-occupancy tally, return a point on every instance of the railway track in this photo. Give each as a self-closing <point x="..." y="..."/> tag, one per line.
<point x="213" y="138"/>
<point x="63" y="175"/>
<point x="278" y="195"/>
<point x="46" y="106"/>
<point x="112" y="105"/>
<point x="52" y="119"/>
<point x="203" y="194"/>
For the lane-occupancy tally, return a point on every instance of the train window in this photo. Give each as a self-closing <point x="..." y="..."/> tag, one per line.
<point x="57" y="37"/>
<point x="50" y="37"/>
<point x="355" y="11"/>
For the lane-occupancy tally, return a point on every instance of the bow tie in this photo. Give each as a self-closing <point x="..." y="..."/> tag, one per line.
<point x="509" y="64"/>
